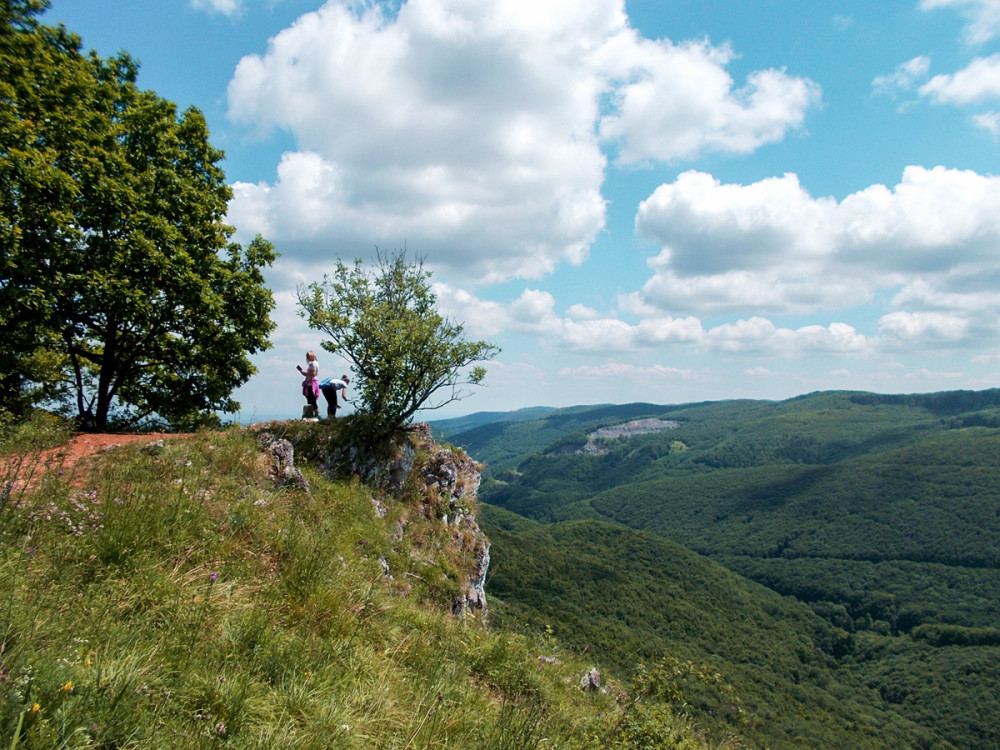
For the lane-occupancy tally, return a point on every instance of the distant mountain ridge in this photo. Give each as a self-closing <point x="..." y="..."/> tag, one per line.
<point x="480" y="418"/>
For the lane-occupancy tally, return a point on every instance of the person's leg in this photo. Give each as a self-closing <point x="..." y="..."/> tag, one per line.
<point x="331" y="402"/>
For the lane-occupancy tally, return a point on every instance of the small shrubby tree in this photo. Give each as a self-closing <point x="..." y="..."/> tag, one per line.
<point x="405" y="355"/>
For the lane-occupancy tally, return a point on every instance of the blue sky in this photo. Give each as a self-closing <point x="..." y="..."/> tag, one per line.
<point x="638" y="201"/>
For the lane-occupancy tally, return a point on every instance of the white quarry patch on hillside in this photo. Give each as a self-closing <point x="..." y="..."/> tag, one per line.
<point x="597" y="440"/>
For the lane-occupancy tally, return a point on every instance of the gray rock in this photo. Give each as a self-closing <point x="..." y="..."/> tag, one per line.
<point x="591" y="681"/>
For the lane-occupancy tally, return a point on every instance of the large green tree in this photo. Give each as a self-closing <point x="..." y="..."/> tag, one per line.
<point x="122" y="292"/>
<point x="406" y="356"/>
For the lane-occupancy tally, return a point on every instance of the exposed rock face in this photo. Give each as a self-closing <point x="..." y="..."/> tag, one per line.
<point x="591" y="681"/>
<point x="445" y="481"/>
<point x="636" y="427"/>
<point x="282" y="457"/>
<point x="597" y="440"/>
<point x="453" y="478"/>
<point x="351" y="460"/>
<point x="474" y="599"/>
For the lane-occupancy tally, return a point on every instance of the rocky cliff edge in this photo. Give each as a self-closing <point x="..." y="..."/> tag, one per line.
<point x="428" y="491"/>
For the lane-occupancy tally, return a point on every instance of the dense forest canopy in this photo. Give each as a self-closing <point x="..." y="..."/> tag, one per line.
<point x="879" y="515"/>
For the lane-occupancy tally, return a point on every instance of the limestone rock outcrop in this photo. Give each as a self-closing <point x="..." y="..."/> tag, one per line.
<point x="439" y="485"/>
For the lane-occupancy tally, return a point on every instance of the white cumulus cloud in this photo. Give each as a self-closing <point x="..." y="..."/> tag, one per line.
<point x="475" y="132"/>
<point x="771" y="247"/>
<point x="534" y="312"/>
<point x="760" y="335"/>
<point x="676" y="101"/>
<point x="462" y="128"/>
<point x="922" y="326"/>
<point x="978" y="82"/>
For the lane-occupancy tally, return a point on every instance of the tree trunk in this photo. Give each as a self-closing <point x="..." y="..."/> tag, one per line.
<point x="106" y="380"/>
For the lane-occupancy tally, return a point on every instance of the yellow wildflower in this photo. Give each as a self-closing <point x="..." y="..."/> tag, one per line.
<point x="35" y="708"/>
<point x="68" y="686"/>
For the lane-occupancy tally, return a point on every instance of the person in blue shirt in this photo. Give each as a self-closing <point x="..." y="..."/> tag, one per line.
<point x="329" y="388"/>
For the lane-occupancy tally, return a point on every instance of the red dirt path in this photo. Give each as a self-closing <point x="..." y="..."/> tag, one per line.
<point x="81" y="447"/>
<point x="87" y="444"/>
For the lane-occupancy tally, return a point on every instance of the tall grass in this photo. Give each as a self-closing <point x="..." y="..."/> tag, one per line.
<point x="178" y="598"/>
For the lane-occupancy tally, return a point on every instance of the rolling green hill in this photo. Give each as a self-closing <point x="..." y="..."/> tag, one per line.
<point x="504" y="442"/>
<point x="881" y="513"/>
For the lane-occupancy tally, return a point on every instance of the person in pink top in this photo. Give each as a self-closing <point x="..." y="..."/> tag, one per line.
<point x="310" y="386"/>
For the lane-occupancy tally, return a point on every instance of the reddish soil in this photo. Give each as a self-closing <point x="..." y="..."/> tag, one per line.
<point x="66" y="458"/>
<point x="87" y="444"/>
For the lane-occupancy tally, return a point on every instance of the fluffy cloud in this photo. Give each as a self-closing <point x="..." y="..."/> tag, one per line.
<point x="905" y="78"/>
<point x="978" y="82"/>
<point x="476" y="129"/>
<point x="771" y="247"/>
<point x="982" y="16"/>
<point x="759" y="335"/>
<point x="933" y="220"/>
<point x="466" y="129"/>
<point x="708" y="227"/>
<point x="906" y="327"/>
<point x="533" y="312"/>
<point x="675" y="101"/>
<point x="926" y="247"/>
<point x="584" y="330"/>
<point x="965" y="293"/>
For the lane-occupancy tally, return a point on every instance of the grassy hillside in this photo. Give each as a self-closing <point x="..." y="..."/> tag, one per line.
<point x="816" y="573"/>
<point x="183" y="594"/>
<point x="882" y="513"/>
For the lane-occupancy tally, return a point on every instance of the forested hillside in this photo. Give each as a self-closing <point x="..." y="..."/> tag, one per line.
<point x="629" y="598"/>
<point x="877" y="517"/>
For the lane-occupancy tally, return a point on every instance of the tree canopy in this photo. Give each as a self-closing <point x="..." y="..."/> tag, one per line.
<point x="122" y="292"/>
<point x="406" y="356"/>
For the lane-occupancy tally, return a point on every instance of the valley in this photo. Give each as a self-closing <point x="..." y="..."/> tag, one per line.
<point x="835" y="556"/>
